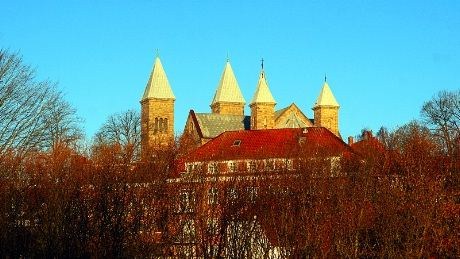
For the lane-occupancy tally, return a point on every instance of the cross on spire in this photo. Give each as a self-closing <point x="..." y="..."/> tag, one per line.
<point x="262" y="63"/>
<point x="325" y="77"/>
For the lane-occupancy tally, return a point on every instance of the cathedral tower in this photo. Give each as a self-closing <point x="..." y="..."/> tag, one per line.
<point x="262" y="105"/>
<point x="326" y="110"/>
<point x="228" y="98"/>
<point x="157" y="110"/>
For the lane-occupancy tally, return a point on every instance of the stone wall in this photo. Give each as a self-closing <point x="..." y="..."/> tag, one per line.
<point x="328" y="117"/>
<point x="157" y="122"/>
<point x="262" y="116"/>
<point x="228" y="108"/>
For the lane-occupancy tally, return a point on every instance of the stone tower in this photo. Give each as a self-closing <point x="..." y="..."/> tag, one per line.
<point x="157" y="110"/>
<point x="262" y="105"/>
<point x="228" y="98"/>
<point x="326" y="110"/>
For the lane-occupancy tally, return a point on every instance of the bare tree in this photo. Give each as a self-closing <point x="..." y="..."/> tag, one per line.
<point x="31" y="110"/>
<point x="64" y="126"/>
<point x="442" y="113"/>
<point x="122" y="129"/>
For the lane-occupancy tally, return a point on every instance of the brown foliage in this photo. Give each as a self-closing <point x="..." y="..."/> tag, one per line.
<point x="381" y="203"/>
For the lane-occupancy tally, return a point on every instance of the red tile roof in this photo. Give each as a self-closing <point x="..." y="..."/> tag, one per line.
<point x="271" y="143"/>
<point x="371" y="143"/>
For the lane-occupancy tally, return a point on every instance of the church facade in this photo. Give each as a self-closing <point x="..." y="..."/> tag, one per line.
<point x="227" y="110"/>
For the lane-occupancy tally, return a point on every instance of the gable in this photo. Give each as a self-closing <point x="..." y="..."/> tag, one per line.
<point x="291" y="117"/>
<point x="192" y="128"/>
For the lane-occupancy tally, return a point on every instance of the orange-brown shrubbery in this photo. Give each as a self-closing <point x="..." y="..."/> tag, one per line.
<point x="400" y="200"/>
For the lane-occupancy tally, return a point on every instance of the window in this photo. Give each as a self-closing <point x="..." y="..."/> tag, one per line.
<point x="188" y="230"/>
<point x="155" y="128"/>
<point x="231" y="167"/>
<point x="162" y="125"/>
<point x="302" y="140"/>
<point x="236" y="143"/>
<point x="252" y="166"/>
<point x="232" y="194"/>
<point x="186" y="201"/>
<point x="189" y="168"/>
<point x="213" y="196"/>
<point x="252" y="193"/>
<point x="165" y="124"/>
<point x="212" y="168"/>
<point x="212" y="226"/>
<point x="269" y="165"/>
<point x="289" y="164"/>
<point x="335" y="166"/>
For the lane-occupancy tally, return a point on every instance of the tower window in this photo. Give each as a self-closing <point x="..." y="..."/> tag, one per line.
<point x="165" y="124"/>
<point x="155" y="129"/>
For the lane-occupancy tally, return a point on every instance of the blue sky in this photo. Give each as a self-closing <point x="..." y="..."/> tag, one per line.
<point x="383" y="59"/>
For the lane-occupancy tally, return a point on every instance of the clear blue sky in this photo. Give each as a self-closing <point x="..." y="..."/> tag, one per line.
<point x="383" y="59"/>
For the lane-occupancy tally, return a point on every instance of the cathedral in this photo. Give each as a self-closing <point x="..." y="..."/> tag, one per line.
<point x="227" y="110"/>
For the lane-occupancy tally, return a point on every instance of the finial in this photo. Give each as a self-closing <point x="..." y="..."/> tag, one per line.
<point x="262" y="63"/>
<point x="158" y="53"/>
<point x="325" y="78"/>
<point x="228" y="59"/>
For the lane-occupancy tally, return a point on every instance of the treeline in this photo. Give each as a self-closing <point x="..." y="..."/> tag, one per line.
<point x="61" y="204"/>
<point x="397" y="197"/>
<point x="404" y="202"/>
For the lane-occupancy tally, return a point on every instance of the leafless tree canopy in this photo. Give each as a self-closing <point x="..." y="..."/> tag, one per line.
<point x="442" y="114"/>
<point x="122" y="129"/>
<point x="33" y="114"/>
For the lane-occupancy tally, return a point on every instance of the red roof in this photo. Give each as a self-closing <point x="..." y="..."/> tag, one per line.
<point x="371" y="143"/>
<point x="271" y="143"/>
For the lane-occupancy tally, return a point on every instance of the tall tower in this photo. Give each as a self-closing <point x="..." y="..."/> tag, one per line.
<point x="262" y="105"/>
<point x="228" y="98"/>
<point x="326" y="110"/>
<point x="157" y="110"/>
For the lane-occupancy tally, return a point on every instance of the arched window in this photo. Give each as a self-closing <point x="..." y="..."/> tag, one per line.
<point x="161" y="125"/>
<point x="155" y="128"/>
<point x="165" y="124"/>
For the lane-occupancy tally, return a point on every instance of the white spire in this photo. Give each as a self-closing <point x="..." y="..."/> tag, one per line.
<point x="158" y="84"/>
<point x="262" y="94"/>
<point x="326" y="98"/>
<point x="228" y="89"/>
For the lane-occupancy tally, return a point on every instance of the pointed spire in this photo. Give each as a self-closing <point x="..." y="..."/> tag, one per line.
<point x="326" y="98"/>
<point x="228" y="89"/>
<point x="158" y="84"/>
<point x="263" y="93"/>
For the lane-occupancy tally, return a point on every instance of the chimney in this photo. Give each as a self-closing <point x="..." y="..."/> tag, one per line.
<point x="350" y="140"/>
